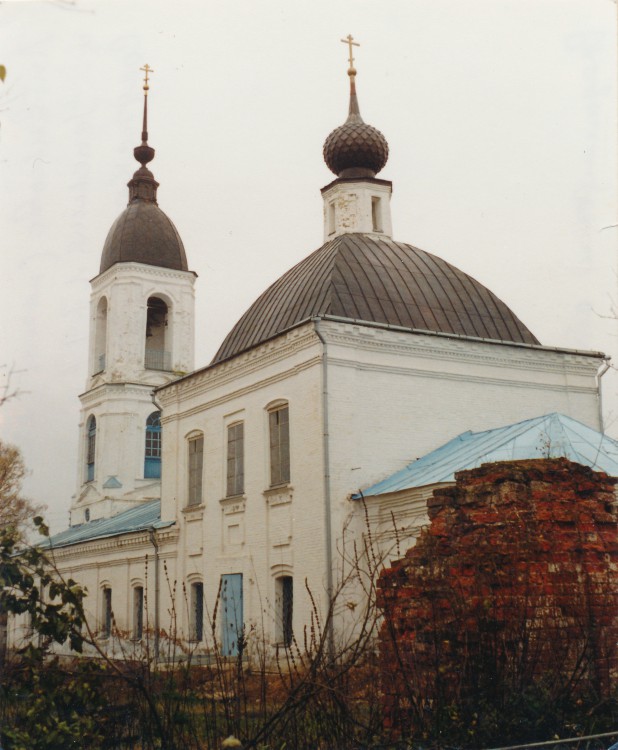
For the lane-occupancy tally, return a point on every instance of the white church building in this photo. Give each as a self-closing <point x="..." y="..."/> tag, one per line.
<point x="231" y="488"/>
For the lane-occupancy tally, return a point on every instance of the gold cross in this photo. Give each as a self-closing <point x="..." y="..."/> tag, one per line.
<point x="147" y="69"/>
<point x="350" y="42"/>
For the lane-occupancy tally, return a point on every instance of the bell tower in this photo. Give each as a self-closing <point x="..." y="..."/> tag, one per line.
<point x="141" y="337"/>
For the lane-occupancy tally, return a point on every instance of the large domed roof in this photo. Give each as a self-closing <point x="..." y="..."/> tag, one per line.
<point x="367" y="278"/>
<point x="144" y="234"/>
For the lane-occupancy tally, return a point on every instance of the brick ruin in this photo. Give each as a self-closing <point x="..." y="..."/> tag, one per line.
<point x="513" y="583"/>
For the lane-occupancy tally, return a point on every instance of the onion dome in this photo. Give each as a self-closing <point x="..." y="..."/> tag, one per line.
<point x="355" y="149"/>
<point x="364" y="278"/>
<point x="143" y="233"/>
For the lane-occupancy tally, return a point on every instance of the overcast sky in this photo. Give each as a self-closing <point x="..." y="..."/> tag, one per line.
<point x="501" y="121"/>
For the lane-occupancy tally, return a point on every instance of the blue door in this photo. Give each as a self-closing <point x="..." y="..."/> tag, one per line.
<point x="231" y="613"/>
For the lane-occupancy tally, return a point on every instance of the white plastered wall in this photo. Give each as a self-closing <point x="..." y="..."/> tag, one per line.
<point x="392" y="396"/>
<point x="267" y="532"/>
<point x="357" y="205"/>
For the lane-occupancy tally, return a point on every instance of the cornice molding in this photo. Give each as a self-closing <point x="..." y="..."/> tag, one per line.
<point x="134" y="540"/>
<point x="246" y="363"/>
<point x="237" y="393"/>
<point x="109" y="390"/>
<point x="461" y="377"/>
<point x="205" y="405"/>
<point x="455" y="350"/>
<point x="127" y="270"/>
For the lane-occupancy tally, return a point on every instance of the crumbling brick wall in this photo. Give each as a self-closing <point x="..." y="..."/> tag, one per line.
<point x="514" y="581"/>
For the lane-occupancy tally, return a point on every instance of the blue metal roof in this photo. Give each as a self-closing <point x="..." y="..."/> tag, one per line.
<point x="549" y="436"/>
<point x="145" y="516"/>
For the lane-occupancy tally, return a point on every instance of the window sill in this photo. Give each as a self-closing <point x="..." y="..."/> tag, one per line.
<point x="193" y="512"/>
<point x="277" y="488"/>
<point x="280" y="494"/>
<point x="233" y="504"/>
<point x="190" y="508"/>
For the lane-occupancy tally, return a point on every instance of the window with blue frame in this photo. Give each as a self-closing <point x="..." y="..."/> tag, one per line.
<point x="152" y="455"/>
<point x="91" y="441"/>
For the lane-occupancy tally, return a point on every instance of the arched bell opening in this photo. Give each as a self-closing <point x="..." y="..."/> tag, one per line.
<point x="158" y="355"/>
<point x="100" y="337"/>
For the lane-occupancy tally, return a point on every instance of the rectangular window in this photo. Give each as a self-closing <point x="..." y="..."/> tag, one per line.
<point x="235" y="459"/>
<point x="91" y="445"/>
<point x="331" y="218"/>
<point x="376" y="214"/>
<point x="279" y="428"/>
<point x="91" y="442"/>
<point x="106" y="620"/>
<point x="152" y="452"/>
<point x="138" y="612"/>
<point x="153" y="443"/>
<point x="231" y="609"/>
<point x="197" y="611"/>
<point x="196" y="463"/>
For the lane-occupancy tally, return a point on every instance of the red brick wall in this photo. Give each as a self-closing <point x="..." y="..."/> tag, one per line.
<point x="514" y="581"/>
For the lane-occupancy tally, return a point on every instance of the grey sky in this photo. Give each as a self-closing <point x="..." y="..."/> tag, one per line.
<point x="501" y="121"/>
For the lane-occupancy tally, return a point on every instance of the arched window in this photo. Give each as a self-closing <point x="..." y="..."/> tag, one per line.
<point x="196" y="625"/>
<point x="157" y="355"/>
<point x="138" y="612"/>
<point x="100" y="338"/>
<point x="279" y="430"/>
<point x="152" y="455"/>
<point x="91" y="442"/>
<point x="284" y="609"/>
<point x="195" y="468"/>
<point x="235" y="459"/>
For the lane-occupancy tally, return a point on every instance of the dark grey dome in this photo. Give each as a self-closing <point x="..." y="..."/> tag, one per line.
<point x="144" y="234"/>
<point x="378" y="280"/>
<point x="355" y="149"/>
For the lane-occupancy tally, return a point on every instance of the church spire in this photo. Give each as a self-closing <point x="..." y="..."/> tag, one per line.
<point x="143" y="185"/>
<point x="353" y="111"/>
<point x="355" y="149"/>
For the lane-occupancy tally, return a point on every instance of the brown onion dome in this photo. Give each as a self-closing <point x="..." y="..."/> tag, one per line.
<point x="355" y="149"/>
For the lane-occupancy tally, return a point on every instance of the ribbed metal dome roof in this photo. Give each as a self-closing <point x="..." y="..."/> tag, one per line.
<point x="144" y="234"/>
<point x="362" y="277"/>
